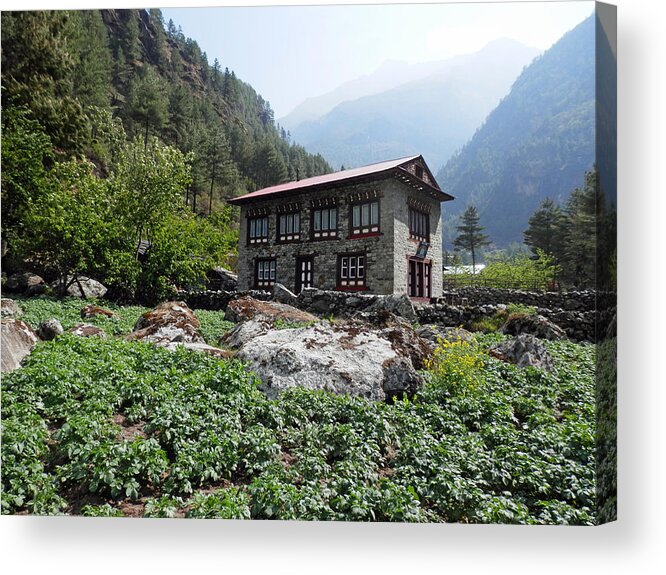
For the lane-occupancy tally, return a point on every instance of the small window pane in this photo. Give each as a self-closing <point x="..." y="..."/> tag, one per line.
<point x="317" y="220"/>
<point x="334" y="219"/>
<point x="324" y="219"/>
<point x="365" y="215"/>
<point x="374" y="216"/>
<point x="356" y="219"/>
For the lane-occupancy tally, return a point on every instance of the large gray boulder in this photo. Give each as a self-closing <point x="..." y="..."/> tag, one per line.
<point x="18" y="339"/>
<point x="399" y="305"/>
<point x="83" y="287"/>
<point x="524" y="350"/>
<point x="350" y="358"/>
<point x="10" y="309"/>
<point x="223" y="279"/>
<point x="283" y="295"/>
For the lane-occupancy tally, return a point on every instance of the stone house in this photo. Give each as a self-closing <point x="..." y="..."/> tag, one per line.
<point x="375" y="229"/>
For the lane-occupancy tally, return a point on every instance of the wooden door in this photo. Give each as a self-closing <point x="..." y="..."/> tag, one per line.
<point x="304" y="273"/>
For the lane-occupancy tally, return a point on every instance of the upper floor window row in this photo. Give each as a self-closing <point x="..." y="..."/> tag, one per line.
<point x="363" y="220"/>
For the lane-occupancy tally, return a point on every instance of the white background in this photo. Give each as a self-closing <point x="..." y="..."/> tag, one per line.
<point x="634" y="544"/>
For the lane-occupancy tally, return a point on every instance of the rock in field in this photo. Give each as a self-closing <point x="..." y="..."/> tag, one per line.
<point x="84" y="287"/>
<point x="87" y="330"/>
<point x="536" y="325"/>
<point x="93" y="310"/>
<point x="10" y="309"/>
<point x="171" y="321"/>
<point x="23" y="282"/>
<point x="18" y="339"/>
<point x="524" y="350"/>
<point x="351" y="358"/>
<point x="434" y="334"/>
<point x="246" y="308"/>
<point x="50" y="329"/>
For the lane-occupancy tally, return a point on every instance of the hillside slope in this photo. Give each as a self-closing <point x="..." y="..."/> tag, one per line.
<point x="537" y="143"/>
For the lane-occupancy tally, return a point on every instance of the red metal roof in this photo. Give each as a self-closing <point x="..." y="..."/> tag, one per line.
<point x="335" y="177"/>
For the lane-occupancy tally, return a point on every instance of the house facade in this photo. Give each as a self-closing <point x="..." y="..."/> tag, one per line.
<point x="375" y="229"/>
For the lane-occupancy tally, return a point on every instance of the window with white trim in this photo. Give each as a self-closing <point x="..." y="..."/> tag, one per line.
<point x="365" y="218"/>
<point x="265" y="273"/>
<point x="289" y="227"/>
<point x="351" y="270"/>
<point x="257" y="230"/>
<point x="324" y="223"/>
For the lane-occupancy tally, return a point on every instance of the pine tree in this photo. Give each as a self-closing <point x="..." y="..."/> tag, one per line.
<point x="580" y="250"/>
<point x="148" y="103"/>
<point x="546" y="230"/>
<point x="470" y="236"/>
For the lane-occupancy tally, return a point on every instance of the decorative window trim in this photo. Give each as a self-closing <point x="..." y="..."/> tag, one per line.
<point x="352" y="272"/>
<point x="419" y="224"/>
<point x="288" y="226"/>
<point x="320" y="226"/>
<point x="421" y="206"/>
<point x="257" y="236"/>
<point x="365" y="211"/>
<point x="265" y="272"/>
<point x="257" y="212"/>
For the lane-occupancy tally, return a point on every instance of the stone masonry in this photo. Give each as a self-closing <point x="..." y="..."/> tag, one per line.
<point x="387" y="252"/>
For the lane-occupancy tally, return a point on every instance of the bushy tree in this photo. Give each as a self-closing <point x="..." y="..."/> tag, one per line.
<point x="71" y="229"/>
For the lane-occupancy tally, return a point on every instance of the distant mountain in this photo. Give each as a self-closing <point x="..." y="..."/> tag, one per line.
<point x="432" y="115"/>
<point x="390" y="74"/>
<point x="537" y="143"/>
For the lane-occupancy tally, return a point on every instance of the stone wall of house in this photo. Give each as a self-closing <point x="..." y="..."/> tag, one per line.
<point x="384" y="253"/>
<point x="404" y="247"/>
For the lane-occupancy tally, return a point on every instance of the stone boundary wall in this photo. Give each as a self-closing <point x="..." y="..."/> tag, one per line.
<point x="572" y="300"/>
<point x="579" y="323"/>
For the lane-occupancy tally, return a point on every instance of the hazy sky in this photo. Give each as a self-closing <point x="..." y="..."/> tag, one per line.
<point x="290" y="53"/>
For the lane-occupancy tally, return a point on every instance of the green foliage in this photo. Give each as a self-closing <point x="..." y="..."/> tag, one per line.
<point x="68" y="312"/>
<point x="71" y="229"/>
<point x="26" y="156"/>
<point x="213" y="325"/>
<point x="222" y="504"/>
<point x="182" y="433"/>
<point x="521" y="271"/>
<point x="104" y="510"/>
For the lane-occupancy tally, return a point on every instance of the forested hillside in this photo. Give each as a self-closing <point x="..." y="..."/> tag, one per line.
<point x="121" y="119"/>
<point x="537" y="143"/>
<point x="128" y="62"/>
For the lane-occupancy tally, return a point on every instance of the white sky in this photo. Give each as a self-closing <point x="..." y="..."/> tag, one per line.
<point x="290" y="53"/>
